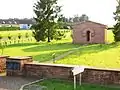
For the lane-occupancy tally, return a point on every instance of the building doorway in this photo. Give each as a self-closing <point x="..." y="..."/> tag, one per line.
<point x="88" y="36"/>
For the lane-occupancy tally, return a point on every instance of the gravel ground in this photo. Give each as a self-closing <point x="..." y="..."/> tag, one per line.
<point x="13" y="83"/>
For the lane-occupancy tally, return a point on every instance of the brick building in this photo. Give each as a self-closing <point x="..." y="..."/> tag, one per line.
<point x="88" y="32"/>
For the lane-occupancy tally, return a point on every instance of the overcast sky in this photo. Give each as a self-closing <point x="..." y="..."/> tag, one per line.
<point x="97" y="10"/>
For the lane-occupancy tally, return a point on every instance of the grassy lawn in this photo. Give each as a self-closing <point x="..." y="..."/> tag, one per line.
<point x="65" y="85"/>
<point x="40" y="51"/>
<point x="5" y="34"/>
<point x="98" y="55"/>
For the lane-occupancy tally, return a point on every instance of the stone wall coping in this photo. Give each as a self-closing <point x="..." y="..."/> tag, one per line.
<point x="72" y="66"/>
<point x="54" y="65"/>
<point x="19" y="58"/>
<point x="103" y="69"/>
<point x="4" y="56"/>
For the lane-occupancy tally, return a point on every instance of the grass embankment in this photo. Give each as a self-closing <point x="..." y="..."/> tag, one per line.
<point x="65" y="85"/>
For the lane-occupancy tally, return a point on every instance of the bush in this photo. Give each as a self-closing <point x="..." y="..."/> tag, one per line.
<point x="9" y="28"/>
<point x="19" y="35"/>
<point x="27" y="35"/>
<point x="9" y="37"/>
<point x="1" y="37"/>
<point x="59" y="35"/>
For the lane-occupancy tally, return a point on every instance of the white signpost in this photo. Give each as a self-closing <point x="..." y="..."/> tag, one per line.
<point x="76" y="71"/>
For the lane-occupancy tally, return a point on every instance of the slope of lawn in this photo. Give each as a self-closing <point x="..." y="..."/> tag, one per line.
<point x="40" y="51"/>
<point x="98" y="55"/>
<point x="65" y="85"/>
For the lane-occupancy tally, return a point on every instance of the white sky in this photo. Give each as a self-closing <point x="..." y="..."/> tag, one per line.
<point x="97" y="10"/>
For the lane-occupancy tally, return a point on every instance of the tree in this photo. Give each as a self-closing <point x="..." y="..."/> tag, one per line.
<point x="84" y="17"/>
<point x="46" y="11"/>
<point x="81" y="18"/>
<point x="116" y="30"/>
<point x="76" y="18"/>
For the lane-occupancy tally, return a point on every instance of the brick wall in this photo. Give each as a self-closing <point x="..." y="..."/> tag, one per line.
<point x="97" y="33"/>
<point x="90" y="75"/>
<point x="2" y="63"/>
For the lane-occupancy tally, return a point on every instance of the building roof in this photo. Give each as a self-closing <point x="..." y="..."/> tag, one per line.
<point x="16" y="21"/>
<point x="78" y="23"/>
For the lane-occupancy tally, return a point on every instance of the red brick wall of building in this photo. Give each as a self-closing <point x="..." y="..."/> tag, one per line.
<point x="98" y="33"/>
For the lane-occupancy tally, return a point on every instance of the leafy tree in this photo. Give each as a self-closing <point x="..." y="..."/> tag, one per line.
<point x="81" y="18"/>
<point x="84" y="17"/>
<point x="46" y="11"/>
<point x="116" y="30"/>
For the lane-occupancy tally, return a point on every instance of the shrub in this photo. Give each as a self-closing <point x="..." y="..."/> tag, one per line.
<point x="19" y="35"/>
<point x="27" y="35"/>
<point x="9" y="28"/>
<point x="9" y="37"/>
<point x="59" y="35"/>
<point x="1" y="37"/>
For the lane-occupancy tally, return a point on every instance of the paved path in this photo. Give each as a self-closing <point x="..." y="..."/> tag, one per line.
<point x="63" y="55"/>
<point x="13" y="83"/>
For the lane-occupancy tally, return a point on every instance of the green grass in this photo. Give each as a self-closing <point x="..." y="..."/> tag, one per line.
<point x="40" y="51"/>
<point x="65" y="85"/>
<point x="97" y="55"/>
<point x="5" y="34"/>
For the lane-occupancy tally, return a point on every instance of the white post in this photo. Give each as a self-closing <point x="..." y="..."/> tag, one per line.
<point x="74" y="82"/>
<point x="80" y="79"/>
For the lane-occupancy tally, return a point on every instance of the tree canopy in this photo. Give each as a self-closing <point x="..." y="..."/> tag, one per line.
<point x="116" y="30"/>
<point x="47" y="13"/>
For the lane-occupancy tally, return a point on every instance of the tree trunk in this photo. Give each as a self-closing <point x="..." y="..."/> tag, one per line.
<point x="48" y="35"/>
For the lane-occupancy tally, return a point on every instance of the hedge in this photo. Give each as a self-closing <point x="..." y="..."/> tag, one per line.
<point x="9" y="28"/>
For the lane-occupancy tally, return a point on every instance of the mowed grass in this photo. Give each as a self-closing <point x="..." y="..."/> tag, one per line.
<point x="97" y="55"/>
<point x="40" y="51"/>
<point x="65" y="85"/>
<point x="5" y="34"/>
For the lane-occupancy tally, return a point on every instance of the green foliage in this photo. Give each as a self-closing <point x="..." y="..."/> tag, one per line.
<point x="19" y="35"/>
<point x="59" y="35"/>
<point x="116" y="30"/>
<point x="1" y="37"/>
<point x="2" y="47"/>
<point x="46" y="12"/>
<point x="9" y="36"/>
<point x="9" y="28"/>
<point x="27" y="35"/>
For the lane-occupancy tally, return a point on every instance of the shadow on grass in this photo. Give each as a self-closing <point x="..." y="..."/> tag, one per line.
<point x="97" y="48"/>
<point x="48" y="56"/>
<point x="49" y="47"/>
<point x="22" y="44"/>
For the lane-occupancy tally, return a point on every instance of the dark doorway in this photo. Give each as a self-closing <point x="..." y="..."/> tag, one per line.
<point x="88" y="36"/>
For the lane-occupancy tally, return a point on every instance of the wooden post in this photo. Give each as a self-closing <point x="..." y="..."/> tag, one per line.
<point x="74" y="82"/>
<point x="80" y="79"/>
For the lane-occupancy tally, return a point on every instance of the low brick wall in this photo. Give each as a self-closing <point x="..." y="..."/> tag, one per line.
<point x="2" y="63"/>
<point x="90" y="75"/>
